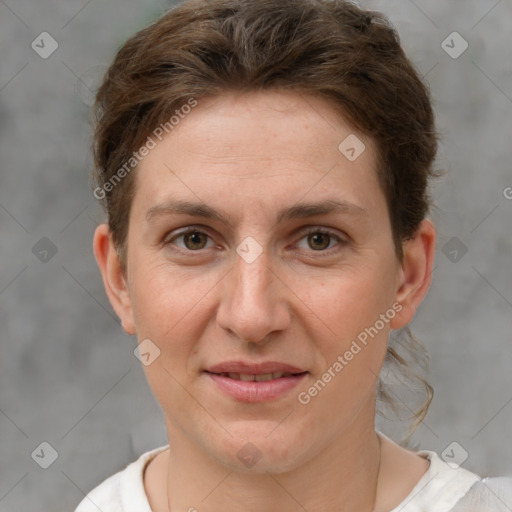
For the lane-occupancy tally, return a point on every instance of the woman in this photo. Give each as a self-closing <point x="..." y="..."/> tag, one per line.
<point x="264" y="168"/>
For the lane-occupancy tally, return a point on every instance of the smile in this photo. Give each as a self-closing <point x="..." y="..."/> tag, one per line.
<point x="254" y="388"/>
<point x="247" y="377"/>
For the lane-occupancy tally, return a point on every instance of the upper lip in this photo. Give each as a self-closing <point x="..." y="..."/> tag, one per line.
<point x="254" y="368"/>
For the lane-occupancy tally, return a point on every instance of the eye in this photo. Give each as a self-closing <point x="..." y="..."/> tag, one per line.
<point x="193" y="239"/>
<point x="320" y="239"/>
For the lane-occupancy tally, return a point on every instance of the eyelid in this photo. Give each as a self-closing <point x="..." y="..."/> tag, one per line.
<point x="185" y="231"/>
<point x="342" y="240"/>
<point x="306" y="230"/>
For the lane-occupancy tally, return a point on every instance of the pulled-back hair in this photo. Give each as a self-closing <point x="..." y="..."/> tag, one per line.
<point x="328" y="48"/>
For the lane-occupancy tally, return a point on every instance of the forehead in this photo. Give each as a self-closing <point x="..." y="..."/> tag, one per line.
<point x="269" y="142"/>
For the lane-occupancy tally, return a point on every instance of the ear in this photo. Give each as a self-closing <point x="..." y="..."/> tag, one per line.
<point x="415" y="274"/>
<point x="113" y="276"/>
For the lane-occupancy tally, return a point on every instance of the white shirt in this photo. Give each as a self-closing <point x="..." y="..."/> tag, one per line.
<point x="441" y="489"/>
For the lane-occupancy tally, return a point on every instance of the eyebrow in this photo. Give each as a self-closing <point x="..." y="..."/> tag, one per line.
<point x="298" y="211"/>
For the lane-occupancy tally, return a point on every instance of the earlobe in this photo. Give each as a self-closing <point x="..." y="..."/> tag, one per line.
<point x="415" y="274"/>
<point x="114" y="280"/>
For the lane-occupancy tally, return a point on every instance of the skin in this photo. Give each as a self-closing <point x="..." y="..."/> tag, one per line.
<point x="302" y="301"/>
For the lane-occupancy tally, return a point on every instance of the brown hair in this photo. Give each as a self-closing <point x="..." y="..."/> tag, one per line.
<point x="329" y="48"/>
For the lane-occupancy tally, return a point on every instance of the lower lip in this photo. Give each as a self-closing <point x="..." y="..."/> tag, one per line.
<point x="252" y="391"/>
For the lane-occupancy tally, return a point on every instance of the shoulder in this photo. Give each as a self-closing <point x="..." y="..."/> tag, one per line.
<point x="492" y="494"/>
<point x="447" y="487"/>
<point x="123" y="491"/>
<point x="439" y="488"/>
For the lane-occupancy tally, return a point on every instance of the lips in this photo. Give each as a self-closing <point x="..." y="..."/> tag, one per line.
<point x="261" y="382"/>
<point x="249" y="377"/>
<point x="241" y="367"/>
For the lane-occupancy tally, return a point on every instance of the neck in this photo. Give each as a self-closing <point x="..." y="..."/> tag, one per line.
<point x="343" y="477"/>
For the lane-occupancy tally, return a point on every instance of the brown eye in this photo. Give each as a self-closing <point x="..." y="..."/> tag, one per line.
<point x="319" y="240"/>
<point x="195" y="239"/>
<point x="192" y="240"/>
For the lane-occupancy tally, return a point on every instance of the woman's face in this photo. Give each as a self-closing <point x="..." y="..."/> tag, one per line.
<point x="264" y="284"/>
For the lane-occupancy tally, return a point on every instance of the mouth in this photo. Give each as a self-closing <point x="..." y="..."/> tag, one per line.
<point x="261" y="377"/>
<point x="255" y="383"/>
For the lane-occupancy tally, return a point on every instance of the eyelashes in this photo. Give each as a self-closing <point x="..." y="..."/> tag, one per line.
<point x="196" y="235"/>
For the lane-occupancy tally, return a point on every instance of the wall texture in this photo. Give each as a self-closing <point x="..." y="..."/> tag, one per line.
<point x="68" y="376"/>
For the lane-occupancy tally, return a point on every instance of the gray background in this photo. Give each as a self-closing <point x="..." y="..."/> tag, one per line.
<point x="67" y="371"/>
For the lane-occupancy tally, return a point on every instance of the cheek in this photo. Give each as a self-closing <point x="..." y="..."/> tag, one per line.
<point x="352" y="348"/>
<point x="167" y="311"/>
<point x="164" y="299"/>
<point x="172" y="310"/>
<point x="351" y="323"/>
<point x="349" y="301"/>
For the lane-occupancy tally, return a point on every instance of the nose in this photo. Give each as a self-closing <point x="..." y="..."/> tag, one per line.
<point x="255" y="300"/>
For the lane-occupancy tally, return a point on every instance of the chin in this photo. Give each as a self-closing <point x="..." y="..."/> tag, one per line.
<point x="259" y="448"/>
